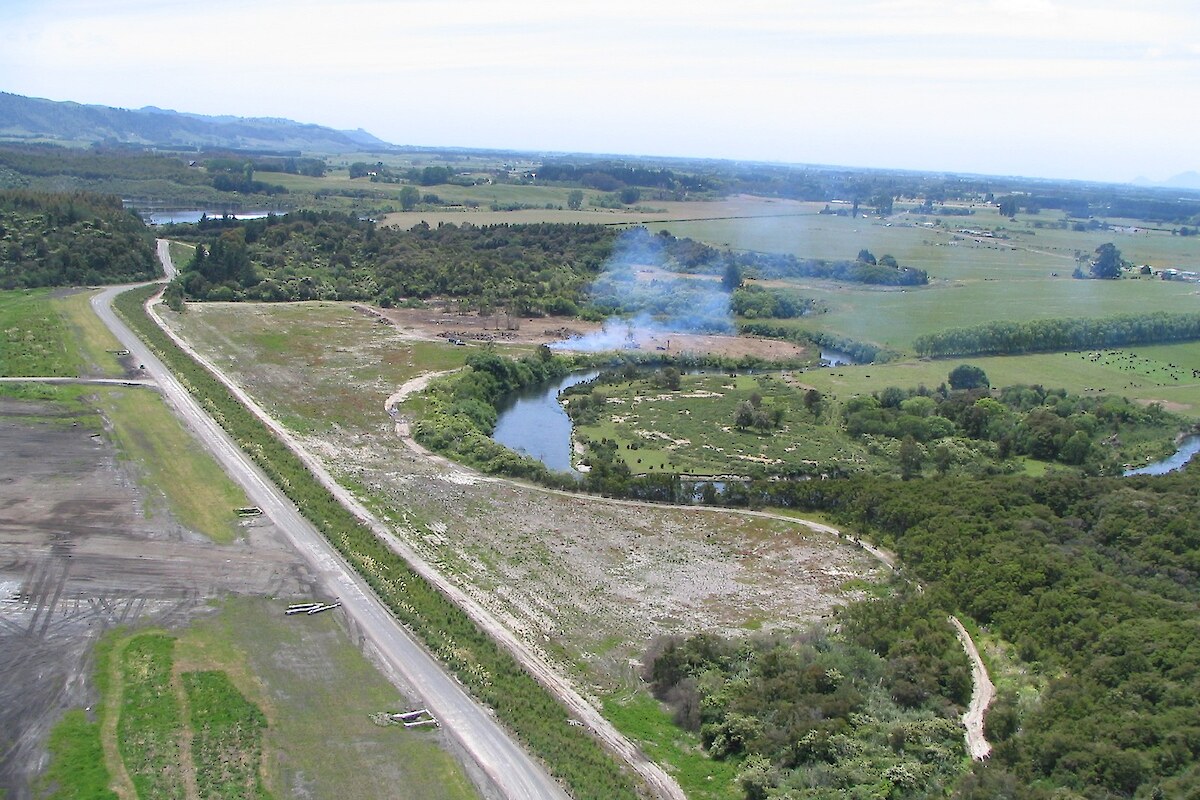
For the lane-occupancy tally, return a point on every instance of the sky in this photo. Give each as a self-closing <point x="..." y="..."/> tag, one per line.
<point x="1092" y="90"/>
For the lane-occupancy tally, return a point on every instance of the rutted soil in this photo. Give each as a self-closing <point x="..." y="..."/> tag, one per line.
<point x="84" y="548"/>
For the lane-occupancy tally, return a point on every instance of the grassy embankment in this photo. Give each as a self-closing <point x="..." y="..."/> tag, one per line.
<point x="487" y="670"/>
<point x="197" y="490"/>
<point x="96" y="343"/>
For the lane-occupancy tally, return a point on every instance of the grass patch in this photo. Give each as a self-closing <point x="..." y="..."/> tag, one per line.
<point x="642" y="719"/>
<point x="198" y="491"/>
<point x="96" y="342"/>
<point x="317" y="690"/>
<point x="77" y="770"/>
<point x="34" y="339"/>
<point x="227" y="733"/>
<point x="150" y="726"/>
<point x="181" y="254"/>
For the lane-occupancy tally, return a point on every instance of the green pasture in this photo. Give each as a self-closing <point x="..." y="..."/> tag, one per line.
<point x="35" y="340"/>
<point x="895" y="317"/>
<point x="1143" y="374"/>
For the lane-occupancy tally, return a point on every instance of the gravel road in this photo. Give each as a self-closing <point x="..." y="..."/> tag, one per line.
<point x="513" y="773"/>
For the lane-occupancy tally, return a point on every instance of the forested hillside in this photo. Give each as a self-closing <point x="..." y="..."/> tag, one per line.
<point x="70" y="240"/>
<point x="34" y="117"/>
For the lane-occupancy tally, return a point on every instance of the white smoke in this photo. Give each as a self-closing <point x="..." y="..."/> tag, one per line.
<point x="650" y="300"/>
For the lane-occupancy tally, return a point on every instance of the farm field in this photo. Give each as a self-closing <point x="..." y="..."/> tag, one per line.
<point x="650" y="213"/>
<point x="894" y="317"/>
<point x="1156" y="374"/>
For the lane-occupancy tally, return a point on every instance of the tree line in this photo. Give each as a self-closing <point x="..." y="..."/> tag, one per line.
<point x="1049" y="335"/>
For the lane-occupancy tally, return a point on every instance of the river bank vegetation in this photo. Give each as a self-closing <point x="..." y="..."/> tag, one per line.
<point x="1093" y="581"/>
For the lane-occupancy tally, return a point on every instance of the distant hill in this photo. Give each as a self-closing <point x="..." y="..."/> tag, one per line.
<point x="1184" y="180"/>
<point x="31" y="118"/>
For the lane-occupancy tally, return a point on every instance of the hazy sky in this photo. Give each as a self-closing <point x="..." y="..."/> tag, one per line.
<point x="1054" y="88"/>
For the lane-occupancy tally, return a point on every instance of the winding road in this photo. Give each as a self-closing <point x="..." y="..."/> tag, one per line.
<point x="513" y="773"/>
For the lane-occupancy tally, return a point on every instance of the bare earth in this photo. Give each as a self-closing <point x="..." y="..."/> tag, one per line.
<point x="438" y="323"/>
<point x="80" y="554"/>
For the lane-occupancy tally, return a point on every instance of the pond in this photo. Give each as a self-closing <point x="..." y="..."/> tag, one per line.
<point x="1188" y="447"/>
<point x="836" y="358"/>
<point x="533" y="423"/>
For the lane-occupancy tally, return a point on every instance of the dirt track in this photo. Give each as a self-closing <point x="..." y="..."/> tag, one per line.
<point x="982" y="693"/>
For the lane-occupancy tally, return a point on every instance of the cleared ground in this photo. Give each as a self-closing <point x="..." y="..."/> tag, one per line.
<point x="85" y="548"/>
<point x="588" y="581"/>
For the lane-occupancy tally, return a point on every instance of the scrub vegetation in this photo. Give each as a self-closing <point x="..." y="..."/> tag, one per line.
<point x="70" y="240"/>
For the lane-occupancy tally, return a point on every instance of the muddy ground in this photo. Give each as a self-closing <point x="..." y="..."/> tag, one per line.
<point x="80" y="553"/>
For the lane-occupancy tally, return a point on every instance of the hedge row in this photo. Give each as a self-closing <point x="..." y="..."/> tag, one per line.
<point x="487" y="670"/>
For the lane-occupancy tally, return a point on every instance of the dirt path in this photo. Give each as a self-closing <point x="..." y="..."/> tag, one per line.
<point x="982" y="693"/>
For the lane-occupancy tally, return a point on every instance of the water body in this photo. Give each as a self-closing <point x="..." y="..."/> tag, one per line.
<point x="836" y="358"/>
<point x="192" y="215"/>
<point x="534" y="424"/>
<point x="1188" y="447"/>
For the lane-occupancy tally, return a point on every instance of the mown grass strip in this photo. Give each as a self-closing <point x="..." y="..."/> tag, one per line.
<point x="486" y="669"/>
<point x="33" y="337"/>
<point x="198" y="491"/>
<point x="97" y="345"/>
<point x="150" y="723"/>
<point x="227" y="738"/>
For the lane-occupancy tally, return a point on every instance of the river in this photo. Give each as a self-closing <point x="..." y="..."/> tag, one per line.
<point x="1188" y="447"/>
<point x="534" y="423"/>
